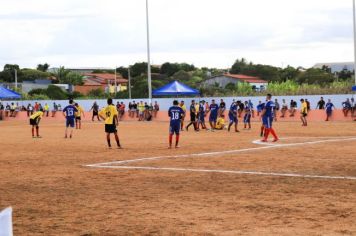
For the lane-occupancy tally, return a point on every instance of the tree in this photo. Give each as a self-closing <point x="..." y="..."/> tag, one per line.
<point x="138" y="69"/>
<point x="31" y="75"/>
<point x="43" y="67"/>
<point x="238" y="66"/>
<point x="72" y="78"/>
<point x="123" y="71"/>
<point x="11" y="67"/>
<point x="315" y="76"/>
<point x="55" y="92"/>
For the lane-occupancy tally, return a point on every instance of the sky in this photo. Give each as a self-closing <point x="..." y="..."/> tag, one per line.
<point x="211" y="33"/>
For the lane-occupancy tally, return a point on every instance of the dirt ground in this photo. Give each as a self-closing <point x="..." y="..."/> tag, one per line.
<point x="52" y="192"/>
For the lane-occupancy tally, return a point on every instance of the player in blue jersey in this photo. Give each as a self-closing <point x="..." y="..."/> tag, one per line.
<point x="69" y="113"/>
<point x="329" y="109"/>
<point x="201" y="115"/>
<point x="247" y="117"/>
<point x="175" y="113"/>
<point x="213" y="109"/>
<point x="267" y="119"/>
<point x="233" y="116"/>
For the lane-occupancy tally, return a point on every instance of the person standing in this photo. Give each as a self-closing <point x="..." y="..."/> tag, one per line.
<point x="184" y="108"/>
<point x="233" y="116"/>
<point x="321" y="104"/>
<point x="329" y="109"/>
<point x="95" y="109"/>
<point x="267" y="118"/>
<point x="276" y="109"/>
<point x="46" y="109"/>
<point x="69" y="113"/>
<point x="78" y="116"/>
<point x="110" y="116"/>
<point x="222" y="107"/>
<point x="213" y="109"/>
<point x="155" y="109"/>
<point x="247" y="117"/>
<point x="175" y="113"/>
<point x="303" y="112"/>
<point x="193" y="113"/>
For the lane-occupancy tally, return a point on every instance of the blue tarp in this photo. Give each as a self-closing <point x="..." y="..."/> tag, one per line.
<point x="175" y="88"/>
<point x="354" y="88"/>
<point x="8" y="94"/>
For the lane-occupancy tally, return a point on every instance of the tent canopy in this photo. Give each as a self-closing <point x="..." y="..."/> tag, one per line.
<point x="175" y="88"/>
<point x="8" y="94"/>
<point x="354" y="88"/>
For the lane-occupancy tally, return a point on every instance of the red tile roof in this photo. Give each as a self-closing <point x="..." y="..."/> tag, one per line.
<point x="246" y="78"/>
<point x="103" y="78"/>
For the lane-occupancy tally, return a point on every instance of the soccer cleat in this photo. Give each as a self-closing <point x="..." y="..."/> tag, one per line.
<point x="275" y="140"/>
<point x="65" y="136"/>
<point x="177" y="146"/>
<point x="38" y="136"/>
<point x="264" y="140"/>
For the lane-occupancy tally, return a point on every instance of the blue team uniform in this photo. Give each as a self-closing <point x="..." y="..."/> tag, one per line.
<point x="260" y="107"/>
<point x="247" y="117"/>
<point x="175" y="113"/>
<point x="329" y="107"/>
<point x="70" y="111"/>
<point x="267" y="118"/>
<point x="213" y="112"/>
<point x="233" y="113"/>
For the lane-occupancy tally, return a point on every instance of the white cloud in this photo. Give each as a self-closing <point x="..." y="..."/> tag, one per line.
<point x="204" y="32"/>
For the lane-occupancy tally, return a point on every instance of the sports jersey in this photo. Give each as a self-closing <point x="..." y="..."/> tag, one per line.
<point x="46" y="107"/>
<point x="79" y="112"/>
<point x="36" y="115"/>
<point x="184" y="108"/>
<point x="214" y="109"/>
<point x="220" y="123"/>
<point x="269" y="106"/>
<point x="346" y="105"/>
<point x="260" y="107"/>
<point x="175" y="113"/>
<point x="247" y="108"/>
<point x="233" y="109"/>
<point x="70" y="111"/>
<point x="141" y="107"/>
<point x="304" y="109"/>
<point x="329" y="106"/>
<point x="109" y="113"/>
<point x="192" y="108"/>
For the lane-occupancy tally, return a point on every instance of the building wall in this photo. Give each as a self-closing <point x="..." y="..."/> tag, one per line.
<point x="85" y="89"/>
<point x="221" y="80"/>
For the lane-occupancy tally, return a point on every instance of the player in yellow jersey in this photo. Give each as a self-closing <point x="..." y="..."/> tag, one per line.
<point x="110" y="116"/>
<point x="184" y="108"/>
<point x="78" y="116"/>
<point x="304" y="112"/>
<point x="34" y="121"/>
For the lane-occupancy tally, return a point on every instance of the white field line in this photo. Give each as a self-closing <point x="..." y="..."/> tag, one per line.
<point x="205" y="154"/>
<point x="119" y="164"/>
<point x="233" y="172"/>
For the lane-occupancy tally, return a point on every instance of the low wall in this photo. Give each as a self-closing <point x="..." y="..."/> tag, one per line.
<point x="313" y="115"/>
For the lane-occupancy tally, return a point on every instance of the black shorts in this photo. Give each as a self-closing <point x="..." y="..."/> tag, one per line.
<point x="304" y="114"/>
<point x="95" y="113"/>
<point x="192" y="117"/>
<point x="78" y="118"/>
<point x="33" y="122"/>
<point x="110" y="128"/>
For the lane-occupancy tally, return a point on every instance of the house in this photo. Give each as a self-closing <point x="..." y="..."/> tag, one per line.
<point x="27" y="86"/>
<point x="104" y="81"/>
<point x="227" y="78"/>
<point x="336" y="66"/>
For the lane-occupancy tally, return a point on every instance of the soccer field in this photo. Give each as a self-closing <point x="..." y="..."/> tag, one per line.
<point x="217" y="183"/>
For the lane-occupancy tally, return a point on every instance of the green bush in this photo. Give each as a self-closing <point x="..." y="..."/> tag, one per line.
<point x="37" y="92"/>
<point x="55" y="92"/>
<point x="97" y="93"/>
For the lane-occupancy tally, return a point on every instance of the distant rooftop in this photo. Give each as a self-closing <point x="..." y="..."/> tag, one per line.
<point x="336" y="66"/>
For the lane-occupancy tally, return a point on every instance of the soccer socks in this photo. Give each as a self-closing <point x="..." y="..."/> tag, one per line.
<point x="262" y="130"/>
<point x="33" y="131"/>
<point x="170" y="139"/>
<point x="108" y="140"/>
<point x="37" y="131"/>
<point x="177" y="139"/>
<point x="267" y="131"/>
<point x="117" y="140"/>
<point x="273" y="133"/>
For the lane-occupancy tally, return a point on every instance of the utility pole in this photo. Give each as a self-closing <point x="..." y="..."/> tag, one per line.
<point x="129" y="75"/>
<point x="354" y="21"/>
<point x="16" y="79"/>
<point x="148" y="55"/>
<point x="115" y="81"/>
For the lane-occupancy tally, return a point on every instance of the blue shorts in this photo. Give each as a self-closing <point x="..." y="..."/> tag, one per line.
<point x="328" y="112"/>
<point x="201" y="118"/>
<point x="247" y="118"/>
<point x="174" y="128"/>
<point x="233" y="119"/>
<point x="70" y="122"/>
<point x="267" y="122"/>
<point x="213" y="118"/>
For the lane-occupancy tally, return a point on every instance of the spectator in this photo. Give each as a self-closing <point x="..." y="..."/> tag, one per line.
<point x="184" y="108"/>
<point x="145" y="113"/>
<point x="293" y="108"/>
<point x="250" y="104"/>
<point x="12" y="109"/>
<point x="155" y="109"/>
<point x="121" y="110"/>
<point x="40" y="107"/>
<point x="241" y="107"/>
<point x="284" y="108"/>
<point x="321" y="104"/>
<point x="17" y="110"/>
<point x="141" y="110"/>
<point x="59" y="107"/>
<point x="36" y="107"/>
<point x="29" y="110"/>
<point x="353" y="107"/>
<point x="259" y="108"/>
<point x="46" y="109"/>
<point x="1" y="111"/>
<point x="95" y="109"/>
<point x="329" y="109"/>
<point x="276" y="109"/>
<point x="55" y="109"/>
<point x="222" y="107"/>
<point x="308" y="104"/>
<point x="135" y="107"/>
<point x="7" y="110"/>
<point x="130" y="109"/>
<point x="346" y="107"/>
